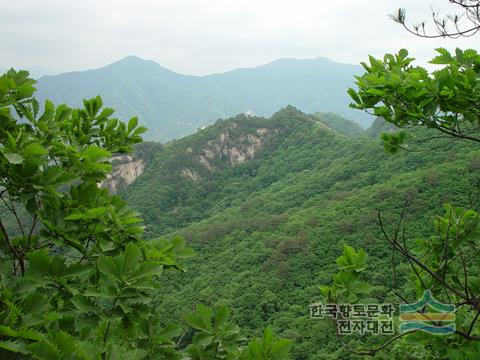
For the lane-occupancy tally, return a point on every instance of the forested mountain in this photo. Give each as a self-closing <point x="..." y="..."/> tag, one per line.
<point x="378" y="127"/>
<point x="172" y="105"/>
<point x="302" y="209"/>
<point x="340" y="124"/>
<point x="267" y="204"/>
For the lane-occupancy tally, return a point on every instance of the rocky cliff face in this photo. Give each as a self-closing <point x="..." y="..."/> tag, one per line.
<point x="233" y="151"/>
<point x="125" y="170"/>
<point x="225" y="149"/>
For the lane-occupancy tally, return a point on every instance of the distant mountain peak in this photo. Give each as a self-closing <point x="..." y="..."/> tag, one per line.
<point x="289" y="110"/>
<point x="318" y="59"/>
<point x="133" y="60"/>
<point x="137" y="64"/>
<point x="172" y="105"/>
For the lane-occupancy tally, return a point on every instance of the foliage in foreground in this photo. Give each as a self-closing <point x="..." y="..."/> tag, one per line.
<point x="77" y="280"/>
<point x="446" y="263"/>
<point x="447" y="100"/>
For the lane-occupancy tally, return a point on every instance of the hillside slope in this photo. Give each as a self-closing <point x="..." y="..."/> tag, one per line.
<point x="340" y="124"/>
<point x="267" y="205"/>
<point x="172" y="105"/>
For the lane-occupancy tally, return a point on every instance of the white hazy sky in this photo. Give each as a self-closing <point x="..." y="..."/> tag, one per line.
<point x="207" y="36"/>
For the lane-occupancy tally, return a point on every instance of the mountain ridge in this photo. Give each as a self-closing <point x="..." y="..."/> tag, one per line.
<point x="135" y="58"/>
<point x="173" y="105"/>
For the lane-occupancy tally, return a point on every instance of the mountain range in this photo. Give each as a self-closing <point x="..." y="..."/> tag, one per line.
<point x="268" y="203"/>
<point x="172" y="105"/>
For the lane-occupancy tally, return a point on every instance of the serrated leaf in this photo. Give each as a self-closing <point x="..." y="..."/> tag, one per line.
<point x="15" y="346"/>
<point x="221" y="317"/>
<point x="83" y="304"/>
<point x="34" y="149"/>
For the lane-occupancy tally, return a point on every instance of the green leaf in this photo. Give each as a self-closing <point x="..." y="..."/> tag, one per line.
<point x="132" y="123"/>
<point x="200" y="319"/>
<point x="221" y="317"/>
<point x="45" y="350"/>
<point x="34" y="149"/>
<point x="83" y="304"/>
<point x="132" y="257"/>
<point x="67" y="345"/>
<point x="353" y="94"/>
<point x="280" y="350"/>
<point x="95" y="153"/>
<point x="202" y="339"/>
<point x="361" y="287"/>
<point x="267" y="337"/>
<point x="403" y="53"/>
<point x="106" y="265"/>
<point x="14" y="158"/>
<point x="61" y="113"/>
<point x="39" y="261"/>
<point x="15" y="346"/>
<point x="89" y="214"/>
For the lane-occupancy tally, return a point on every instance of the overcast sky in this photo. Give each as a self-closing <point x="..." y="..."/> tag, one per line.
<point x="207" y="36"/>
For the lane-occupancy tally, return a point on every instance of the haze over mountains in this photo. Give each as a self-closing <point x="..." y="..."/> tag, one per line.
<point x="172" y="105"/>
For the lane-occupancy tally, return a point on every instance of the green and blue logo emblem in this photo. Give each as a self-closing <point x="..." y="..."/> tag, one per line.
<point x="427" y="315"/>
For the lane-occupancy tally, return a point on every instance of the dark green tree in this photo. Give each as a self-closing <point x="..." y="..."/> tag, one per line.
<point x="77" y="278"/>
<point x="446" y="101"/>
